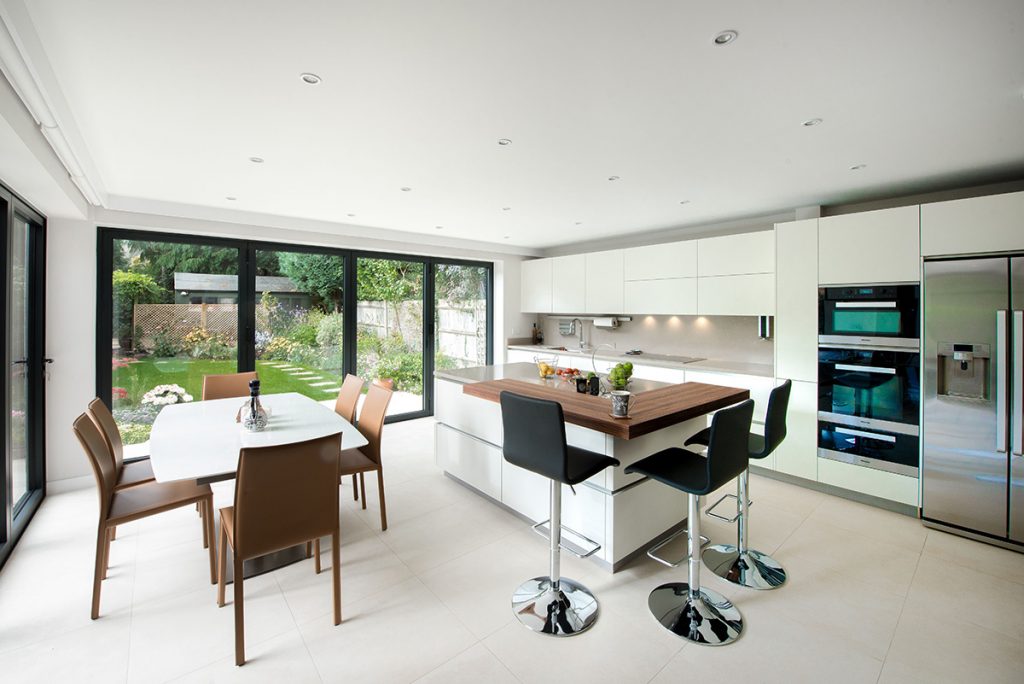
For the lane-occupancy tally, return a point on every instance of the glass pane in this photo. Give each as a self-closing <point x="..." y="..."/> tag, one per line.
<point x="460" y="316"/>
<point x="18" y="331"/>
<point x="300" y="323"/>
<point x="389" y="341"/>
<point x="175" y="319"/>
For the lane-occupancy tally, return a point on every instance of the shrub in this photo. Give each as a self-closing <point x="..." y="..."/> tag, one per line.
<point x="303" y="333"/>
<point x="139" y="415"/>
<point x="202" y="344"/>
<point x="164" y="345"/>
<point x="401" y="363"/>
<point x="304" y="355"/>
<point x="278" y="349"/>
<point x="135" y="433"/>
<point x="330" y="331"/>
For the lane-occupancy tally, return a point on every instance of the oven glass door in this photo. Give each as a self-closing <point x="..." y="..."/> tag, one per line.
<point x="889" y="451"/>
<point x="872" y="312"/>
<point x="879" y="385"/>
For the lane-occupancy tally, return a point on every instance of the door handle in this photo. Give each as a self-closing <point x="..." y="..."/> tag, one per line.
<point x="1018" y="381"/>
<point x="1001" y="373"/>
<point x="22" y="362"/>
<point x="865" y="369"/>
<point x="870" y="435"/>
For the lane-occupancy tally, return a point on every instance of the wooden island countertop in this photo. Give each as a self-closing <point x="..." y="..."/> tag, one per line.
<point x="649" y="410"/>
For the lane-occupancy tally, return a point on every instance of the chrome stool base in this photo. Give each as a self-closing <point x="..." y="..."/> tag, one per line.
<point x="570" y="610"/>
<point x="751" y="569"/>
<point x="709" y="619"/>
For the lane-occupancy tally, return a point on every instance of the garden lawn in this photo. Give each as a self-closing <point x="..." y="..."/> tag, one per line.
<point x="140" y="376"/>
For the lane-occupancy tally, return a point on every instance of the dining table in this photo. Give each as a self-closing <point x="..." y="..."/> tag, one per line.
<point x="201" y="441"/>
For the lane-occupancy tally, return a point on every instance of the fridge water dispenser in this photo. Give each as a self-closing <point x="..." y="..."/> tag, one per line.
<point x="964" y="370"/>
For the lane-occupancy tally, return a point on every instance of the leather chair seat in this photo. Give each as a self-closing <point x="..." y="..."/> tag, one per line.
<point x="137" y="502"/>
<point x="355" y="461"/>
<point x="135" y="473"/>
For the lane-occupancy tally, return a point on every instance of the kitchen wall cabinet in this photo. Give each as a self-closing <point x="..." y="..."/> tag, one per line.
<point x="796" y="300"/>
<point x="736" y="295"/>
<point x="535" y="290"/>
<point x="568" y="284"/>
<point x="798" y="453"/>
<point x="736" y="254"/>
<point x="881" y="246"/>
<point x="655" y="262"/>
<point x="663" y="296"/>
<point x="604" y="282"/>
<point x="973" y="226"/>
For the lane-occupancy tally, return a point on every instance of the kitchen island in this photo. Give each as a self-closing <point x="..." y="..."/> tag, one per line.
<point x="623" y="513"/>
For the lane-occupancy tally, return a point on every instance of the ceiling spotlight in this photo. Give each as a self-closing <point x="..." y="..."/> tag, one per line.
<point x="507" y="237"/>
<point x="350" y="215"/>
<point x="230" y="198"/>
<point x="726" y="37"/>
<point x="506" y="208"/>
<point x="256" y="160"/>
<point x="311" y="79"/>
<point x="613" y="178"/>
<point x="858" y="167"/>
<point x="406" y="189"/>
<point x="684" y="201"/>
<point x="504" y="141"/>
<point x="812" y="122"/>
<point x="579" y="223"/>
<point x="438" y="227"/>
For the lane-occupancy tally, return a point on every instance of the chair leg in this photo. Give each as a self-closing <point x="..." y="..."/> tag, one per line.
<point x="113" y="534"/>
<point x="362" y="486"/>
<point x="336" y="570"/>
<point x="355" y="487"/>
<point x="98" y="571"/>
<point x="209" y="534"/>
<point x="239" y="614"/>
<point x="106" y="554"/>
<point x="309" y="549"/>
<point x="222" y="564"/>
<point x="202" y="519"/>
<point x="383" y="506"/>
<point x="316" y="552"/>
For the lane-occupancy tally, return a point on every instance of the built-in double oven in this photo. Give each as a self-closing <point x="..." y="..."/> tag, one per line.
<point x="869" y="385"/>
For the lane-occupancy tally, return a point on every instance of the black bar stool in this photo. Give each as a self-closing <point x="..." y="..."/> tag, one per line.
<point x="535" y="440"/>
<point x="739" y="564"/>
<point x="686" y="608"/>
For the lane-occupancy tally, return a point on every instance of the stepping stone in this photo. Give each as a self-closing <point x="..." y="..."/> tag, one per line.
<point x="322" y="384"/>
<point x="315" y="377"/>
<point x="332" y="390"/>
<point x="287" y="368"/>
<point x="299" y="375"/>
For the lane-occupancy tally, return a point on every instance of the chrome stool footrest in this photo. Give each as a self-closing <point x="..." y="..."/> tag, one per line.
<point x="652" y="552"/>
<point x="543" y="529"/>
<point x="710" y="510"/>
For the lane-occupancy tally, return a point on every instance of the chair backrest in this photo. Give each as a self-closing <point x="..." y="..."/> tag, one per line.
<point x="101" y="415"/>
<point x="348" y="398"/>
<point x="534" y="435"/>
<point x="100" y="458"/>
<point x="286" y="495"/>
<point x="371" y="419"/>
<point x="728" y="453"/>
<point x="775" y="419"/>
<point x="227" y="386"/>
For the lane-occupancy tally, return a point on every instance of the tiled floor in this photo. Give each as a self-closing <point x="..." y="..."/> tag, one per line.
<point x="873" y="596"/>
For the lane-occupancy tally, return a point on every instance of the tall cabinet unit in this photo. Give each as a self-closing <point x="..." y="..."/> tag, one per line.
<point x="796" y="343"/>
<point x="882" y="246"/>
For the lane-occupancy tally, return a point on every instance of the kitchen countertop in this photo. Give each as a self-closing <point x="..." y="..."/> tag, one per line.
<point x="765" y="370"/>
<point x="527" y="372"/>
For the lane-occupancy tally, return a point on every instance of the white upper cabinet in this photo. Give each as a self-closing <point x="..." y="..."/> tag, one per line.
<point x="653" y="262"/>
<point x="736" y="295"/>
<point x="604" y="282"/>
<point x="669" y="296"/>
<point x="796" y="294"/>
<point x="736" y="254"/>
<point x="568" y="284"/>
<point x="881" y="246"/>
<point x="535" y="286"/>
<point x="973" y="226"/>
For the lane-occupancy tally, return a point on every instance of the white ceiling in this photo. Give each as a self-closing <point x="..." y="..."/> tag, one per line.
<point x="172" y="98"/>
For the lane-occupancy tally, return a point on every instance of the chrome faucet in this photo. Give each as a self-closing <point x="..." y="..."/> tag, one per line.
<point x="578" y="324"/>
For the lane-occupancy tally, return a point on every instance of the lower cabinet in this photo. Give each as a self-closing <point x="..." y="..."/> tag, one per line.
<point x="798" y="453"/>
<point x="891" y="486"/>
<point x="468" y="458"/>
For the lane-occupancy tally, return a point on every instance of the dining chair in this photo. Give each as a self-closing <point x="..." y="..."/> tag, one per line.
<point x="284" y="496"/>
<point x="128" y="474"/>
<point x="227" y="386"/>
<point x="345" y="406"/>
<point x="367" y="459"/>
<point x="118" y="507"/>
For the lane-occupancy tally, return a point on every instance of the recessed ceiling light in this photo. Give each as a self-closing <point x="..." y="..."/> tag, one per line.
<point x="311" y="79"/>
<point x="351" y="215"/>
<point x="504" y="141"/>
<point x="438" y="227"/>
<point x="684" y="201"/>
<point x="230" y="198"/>
<point x="506" y="208"/>
<point x="406" y="189"/>
<point x="858" y="167"/>
<point x="256" y="160"/>
<point x="507" y="237"/>
<point x="812" y="122"/>
<point x="579" y="223"/>
<point x="726" y="37"/>
<point x="613" y="178"/>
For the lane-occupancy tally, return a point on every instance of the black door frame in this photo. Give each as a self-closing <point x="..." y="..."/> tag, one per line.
<point x="17" y="514"/>
<point x="247" y="300"/>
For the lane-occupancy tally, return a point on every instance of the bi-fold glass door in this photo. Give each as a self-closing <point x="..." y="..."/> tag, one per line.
<point x="23" y="468"/>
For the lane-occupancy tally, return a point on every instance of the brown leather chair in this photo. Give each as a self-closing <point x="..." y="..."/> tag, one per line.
<point x="284" y="496"/>
<point x="128" y="474"/>
<point x="227" y="386"/>
<point x="367" y="459"/>
<point x="345" y="406"/>
<point x="141" y="501"/>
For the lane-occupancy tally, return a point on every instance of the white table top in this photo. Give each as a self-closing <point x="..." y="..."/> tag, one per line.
<point x="200" y="440"/>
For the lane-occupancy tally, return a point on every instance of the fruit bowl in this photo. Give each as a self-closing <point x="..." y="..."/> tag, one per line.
<point x="547" y="366"/>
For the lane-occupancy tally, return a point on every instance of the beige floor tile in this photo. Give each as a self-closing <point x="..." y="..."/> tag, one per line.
<point x="929" y="650"/>
<point x="97" y="652"/>
<point x="785" y="496"/>
<point x="985" y="558"/>
<point x="410" y="499"/>
<point x="876" y="523"/>
<point x="397" y="635"/>
<point x="283" y="658"/>
<point x="475" y="664"/>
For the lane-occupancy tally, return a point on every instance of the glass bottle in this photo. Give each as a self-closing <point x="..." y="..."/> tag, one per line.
<point x="255" y="415"/>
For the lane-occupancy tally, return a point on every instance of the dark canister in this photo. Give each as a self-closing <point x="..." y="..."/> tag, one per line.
<point x="581" y="385"/>
<point x="594" y="384"/>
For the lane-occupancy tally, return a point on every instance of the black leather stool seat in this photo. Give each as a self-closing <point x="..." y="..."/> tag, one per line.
<point x="582" y="464"/>
<point x="677" y="468"/>
<point x="755" y="442"/>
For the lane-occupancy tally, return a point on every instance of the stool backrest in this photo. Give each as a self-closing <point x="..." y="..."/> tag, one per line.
<point x="727" y="445"/>
<point x="534" y="436"/>
<point x="775" y="419"/>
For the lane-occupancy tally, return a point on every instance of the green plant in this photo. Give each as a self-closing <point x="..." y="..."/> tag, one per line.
<point x="130" y="289"/>
<point x="164" y="344"/>
<point x="200" y="343"/>
<point x="330" y="330"/>
<point x="303" y="333"/>
<point x="135" y="433"/>
<point x="304" y="355"/>
<point x="619" y="376"/>
<point x="279" y="349"/>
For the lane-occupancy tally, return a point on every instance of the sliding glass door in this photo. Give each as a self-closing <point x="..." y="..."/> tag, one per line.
<point x="462" y="317"/>
<point x="23" y="466"/>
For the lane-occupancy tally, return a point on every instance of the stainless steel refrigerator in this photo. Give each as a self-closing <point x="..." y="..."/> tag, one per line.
<point x="972" y="468"/>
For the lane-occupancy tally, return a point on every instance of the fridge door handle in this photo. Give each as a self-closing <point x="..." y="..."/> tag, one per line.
<point x="1018" y="382"/>
<point x="1001" y="379"/>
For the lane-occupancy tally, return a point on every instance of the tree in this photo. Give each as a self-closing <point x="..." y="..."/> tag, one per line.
<point x="161" y="260"/>
<point x="131" y="289"/>
<point x="322" y="275"/>
<point x="460" y="283"/>
<point x="390" y="281"/>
